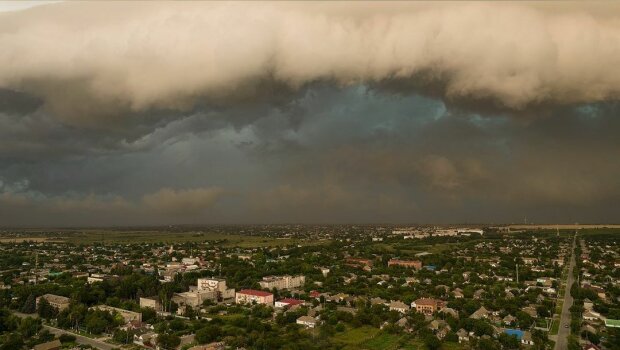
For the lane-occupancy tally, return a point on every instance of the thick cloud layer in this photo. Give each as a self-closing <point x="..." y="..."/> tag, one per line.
<point x="160" y="113"/>
<point x="94" y="63"/>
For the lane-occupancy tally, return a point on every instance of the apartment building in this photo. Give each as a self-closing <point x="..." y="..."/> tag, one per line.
<point x="57" y="301"/>
<point x="249" y="296"/>
<point x="216" y="285"/>
<point x="282" y="282"/>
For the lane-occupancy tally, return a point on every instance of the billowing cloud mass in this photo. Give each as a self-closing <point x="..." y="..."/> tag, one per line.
<point x="91" y="61"/>
<point x="116" y="113"/>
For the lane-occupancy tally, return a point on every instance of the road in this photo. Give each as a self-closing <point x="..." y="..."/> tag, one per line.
<point x="563" y="333"/>
<point x="80" y="339"/>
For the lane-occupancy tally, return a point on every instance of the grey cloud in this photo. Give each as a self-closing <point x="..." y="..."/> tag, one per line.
<point x="97" y="64"/>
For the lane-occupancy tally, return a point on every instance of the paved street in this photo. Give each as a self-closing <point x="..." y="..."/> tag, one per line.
<point x="562" y="337"/>
<point x="79" y="338"/>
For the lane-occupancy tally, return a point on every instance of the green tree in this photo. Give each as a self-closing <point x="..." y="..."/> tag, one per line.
<point x="168" y="341"/>
<point x="46" y="310"/>
<point x="431" y="342"/>
<point x="207" y="334"/>
<point x="29" y="327"/>
<point x="66" y="338"/>
<point x="11" y="342"/>
<point x="124" y="337"/>
<point x="30" y="306"/>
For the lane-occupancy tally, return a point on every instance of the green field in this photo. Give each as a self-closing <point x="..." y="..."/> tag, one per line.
<point x="353" y="338"/>
<point x="154" y="236"/>
<point x="383" y="341"/>
<point x="370" y="338"/>
<point x="226" y="240"/>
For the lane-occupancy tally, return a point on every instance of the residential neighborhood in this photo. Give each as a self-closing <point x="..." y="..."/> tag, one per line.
<point x="496" y="290"/>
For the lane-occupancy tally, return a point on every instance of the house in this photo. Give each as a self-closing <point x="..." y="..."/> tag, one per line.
<point x="427" y="306"/>
<point x="509" y="320"/>
<point x="347" y="309"/>
<point x="463" y="335"/>
<point x="478" y="293"/>
<point x="440" y="328"/>
<point x="324" y="271"/>
<point x="288" y="302"/>
<point x="403" y="322"/>
<point x="482" y="312"/>
<point x="57" y="301"/>
<point x="450" y="311"/>
<point x="530" y="310"/>
<point x="146" y="339"/>
<point x="399" y="306"/>
<point x="307" y="321"/>
<point x="527" y="338"/>
<point x="416" y="264"/>
<point x="378" y="301"/>
<point x="315" y="294"/>
<point x="50" y="345"/>
<point x="591" y="315"/>
<point x="590" y="347"/>
<point x="250" y="296"/>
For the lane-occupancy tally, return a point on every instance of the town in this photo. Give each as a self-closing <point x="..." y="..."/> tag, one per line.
<point x="310" y="287"/>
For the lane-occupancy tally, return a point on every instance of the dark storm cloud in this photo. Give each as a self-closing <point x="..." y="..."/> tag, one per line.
<point x="355" y="154"/>
<point x="134" y="113"/>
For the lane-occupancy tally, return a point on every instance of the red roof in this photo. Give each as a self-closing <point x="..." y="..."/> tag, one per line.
<point x="291" y="301"/>
<point x="426" y="301"/>
<point x="315" y="294"/>
<point x="258" y="293"/>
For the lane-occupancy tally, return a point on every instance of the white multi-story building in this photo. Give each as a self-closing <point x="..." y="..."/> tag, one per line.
<point x="282" y="282"/>
<point x="216" y="285"/>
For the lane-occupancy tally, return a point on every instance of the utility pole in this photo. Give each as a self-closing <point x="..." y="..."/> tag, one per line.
<point x="36" y="263"/>
<point x="517" y="273"/>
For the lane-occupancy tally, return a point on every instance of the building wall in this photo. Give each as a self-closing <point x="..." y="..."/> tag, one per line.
<point x="248" y="299"/>
<point x="54" y="301"/>
<point x="282" y="282"/>
<point x="152" y="303"/>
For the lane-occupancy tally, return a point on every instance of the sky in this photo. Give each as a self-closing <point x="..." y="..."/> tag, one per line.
<point x="158" y="113"/>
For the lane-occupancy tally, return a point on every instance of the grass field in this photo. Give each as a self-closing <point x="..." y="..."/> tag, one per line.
<point x="154" y="236"/>
<point x="226" y="240"/>
<point x="382" y="341"/>
<point x="406" y="248"/>
<point x="354" y="338"/>
<point x="369" y="338"/>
